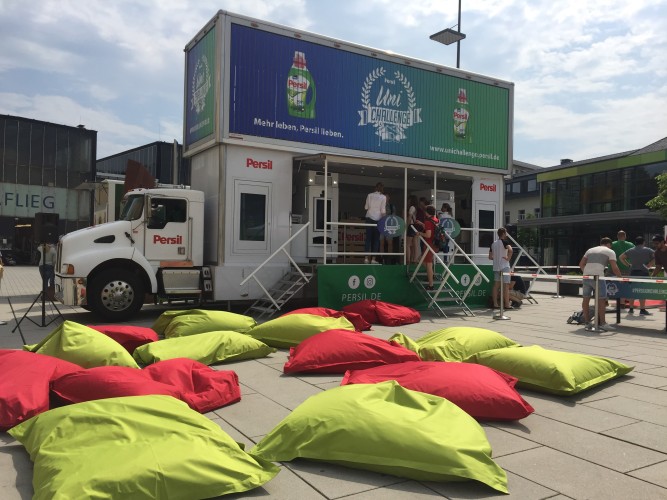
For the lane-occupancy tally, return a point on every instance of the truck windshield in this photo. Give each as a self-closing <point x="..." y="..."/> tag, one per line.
<point x="132" y="207"/>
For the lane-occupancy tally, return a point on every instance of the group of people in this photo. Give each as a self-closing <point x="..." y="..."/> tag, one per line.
<point x="624" y="259"/>
<point x="421" y="220"/>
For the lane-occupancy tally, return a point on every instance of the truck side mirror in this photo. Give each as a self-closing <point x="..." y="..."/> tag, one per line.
<point x="158" y="217"/>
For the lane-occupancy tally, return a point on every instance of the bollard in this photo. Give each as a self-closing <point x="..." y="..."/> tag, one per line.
<point x="501" y="313"/>
<point x="558" y="295"/>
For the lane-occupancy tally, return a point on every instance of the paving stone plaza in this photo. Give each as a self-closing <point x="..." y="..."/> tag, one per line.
<point x="606" y="443"/>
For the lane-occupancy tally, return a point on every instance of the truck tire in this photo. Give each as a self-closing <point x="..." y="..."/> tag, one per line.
<point x="116" y="294"/>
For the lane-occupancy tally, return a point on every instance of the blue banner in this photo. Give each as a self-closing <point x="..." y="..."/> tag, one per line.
<point x="289" y="89"/>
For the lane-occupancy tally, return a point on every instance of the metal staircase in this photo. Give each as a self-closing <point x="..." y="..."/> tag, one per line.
<point x="282" y="292"/>
<point x="285" y="289"/>
<point x="443" y="296"/>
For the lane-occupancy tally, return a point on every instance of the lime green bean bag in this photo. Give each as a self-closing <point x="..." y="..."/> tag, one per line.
<point x="83" y="346"/>
<point x="455" y="343"/>
<point x="193" y="321"/>
<point x="405" y="341"/>
<point x="135" y="448"/>
<point x="387" y="429"/>
<point x="290" y="330"/>
<point x="555" y="372"/>
<point x="207" y="348"/>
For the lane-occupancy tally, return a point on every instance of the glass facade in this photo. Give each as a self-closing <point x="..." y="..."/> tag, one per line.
<point x="41" y="164"/>
<point x="611" y="191"/>
<point x="157" y="158"/>
<point x="610" y="199"/>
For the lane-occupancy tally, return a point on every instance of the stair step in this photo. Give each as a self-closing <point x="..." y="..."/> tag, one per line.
<point x="262" y="309"/>
<point x="288" y="282"/>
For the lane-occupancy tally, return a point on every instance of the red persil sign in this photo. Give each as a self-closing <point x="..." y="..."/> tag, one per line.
<point x="268" y="165"/>
<point x="163" y="240"/>
<point x="492" y="188"/>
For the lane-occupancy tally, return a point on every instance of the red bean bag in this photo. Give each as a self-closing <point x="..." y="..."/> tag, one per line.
<point x="360" y="324"/>
<point x="366" y="308"/>
<point x="395" y="315"/>
<point x="130" y="337"/>
<point x="483" y="393"/>
<point x="103" y="382"/>
<point x="336" y="351"/>
<point x="202" y="387"/>
<point x="24" y="385"/>
<point x="384" y="313"/>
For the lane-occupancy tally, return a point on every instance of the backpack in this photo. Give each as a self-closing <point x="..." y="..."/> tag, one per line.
<point x="577" y="317"/>
<point x="439" y="238"/>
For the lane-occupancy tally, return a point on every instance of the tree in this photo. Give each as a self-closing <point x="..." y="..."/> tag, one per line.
<point x="528" y="237"/>
<point x="659" y="203"/>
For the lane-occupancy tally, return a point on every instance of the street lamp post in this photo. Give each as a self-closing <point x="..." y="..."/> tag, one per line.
<point x="449" y="36"/>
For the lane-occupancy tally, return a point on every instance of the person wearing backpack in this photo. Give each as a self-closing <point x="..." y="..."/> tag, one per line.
<point x="430" y="225"/>
<point x="445" y="213"/>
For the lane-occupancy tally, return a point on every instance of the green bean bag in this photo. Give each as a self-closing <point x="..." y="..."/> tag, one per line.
<point x="290" y="330"/>
<point x="207" y="348"/>
<point x="193" y="321"/>
<point x="83" y="346"/>
<point x="134" y="448"/>
<point x="554" y="372"/>
<point x="456" y="343"/>
<point x="405" y="341"/>
<point x="387" y="429"/>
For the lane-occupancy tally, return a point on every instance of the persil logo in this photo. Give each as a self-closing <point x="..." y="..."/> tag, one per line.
<point x="296" y="84"/>
<point x="268" y="165"/>
<point x="163" y="240"/>
<point x="487" y="187"/>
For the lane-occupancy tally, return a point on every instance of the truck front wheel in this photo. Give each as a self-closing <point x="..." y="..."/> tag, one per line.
<point x="116" y="294"/>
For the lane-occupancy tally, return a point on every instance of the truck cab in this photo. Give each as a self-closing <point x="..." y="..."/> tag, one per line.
<point x="156" y="246"/>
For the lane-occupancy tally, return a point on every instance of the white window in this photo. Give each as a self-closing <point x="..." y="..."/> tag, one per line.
<point x="537" y="213"/>
<point x="507" y="217"/>
<point x="251" y="213"/>
<point x="522" y="215"/>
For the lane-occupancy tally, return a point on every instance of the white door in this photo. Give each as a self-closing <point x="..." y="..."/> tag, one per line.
<point x="168" y="232"/>
<point x="486" y="217"/>
<point x="445" y="197"/>
<point x="252" y="209"/>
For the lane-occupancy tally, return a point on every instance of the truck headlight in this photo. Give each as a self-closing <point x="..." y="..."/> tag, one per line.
<point x="66" y="269"/>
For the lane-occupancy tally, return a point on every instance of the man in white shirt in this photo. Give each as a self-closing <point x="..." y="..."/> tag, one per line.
<point x="501" y="253"/>
<point x="593" y="263"/>
<point x="376" y="208"/>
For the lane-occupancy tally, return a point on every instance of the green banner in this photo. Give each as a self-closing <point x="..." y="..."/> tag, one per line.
<point x="637" y="290"/>
<point x="200" y="90"/>
<point x="341" y="284"/>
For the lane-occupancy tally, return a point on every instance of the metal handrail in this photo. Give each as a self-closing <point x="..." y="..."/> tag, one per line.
<point x="270" y="257"/>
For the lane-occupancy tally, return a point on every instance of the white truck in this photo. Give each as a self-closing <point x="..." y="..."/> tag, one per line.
<point x="287" y="132"/>
<point x="154" y="247"/>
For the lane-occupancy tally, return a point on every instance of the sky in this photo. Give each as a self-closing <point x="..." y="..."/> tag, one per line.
<point x="590" y="75"/>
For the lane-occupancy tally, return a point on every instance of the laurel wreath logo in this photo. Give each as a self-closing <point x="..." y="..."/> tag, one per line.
<point x="201" y="83"/>
<point x="381" y="127"/>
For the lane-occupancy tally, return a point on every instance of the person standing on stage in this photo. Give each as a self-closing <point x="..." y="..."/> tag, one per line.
<point x="376" y="208"/>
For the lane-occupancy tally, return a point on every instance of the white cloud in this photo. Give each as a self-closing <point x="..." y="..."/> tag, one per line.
<point x="589" y="75"/>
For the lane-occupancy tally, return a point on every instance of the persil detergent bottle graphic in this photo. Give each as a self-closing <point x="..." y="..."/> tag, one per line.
<point x="299" y="82"/>
<point x="461" y="117"/>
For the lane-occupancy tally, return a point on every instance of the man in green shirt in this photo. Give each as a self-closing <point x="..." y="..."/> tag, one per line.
<point x="620" y="246"/>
